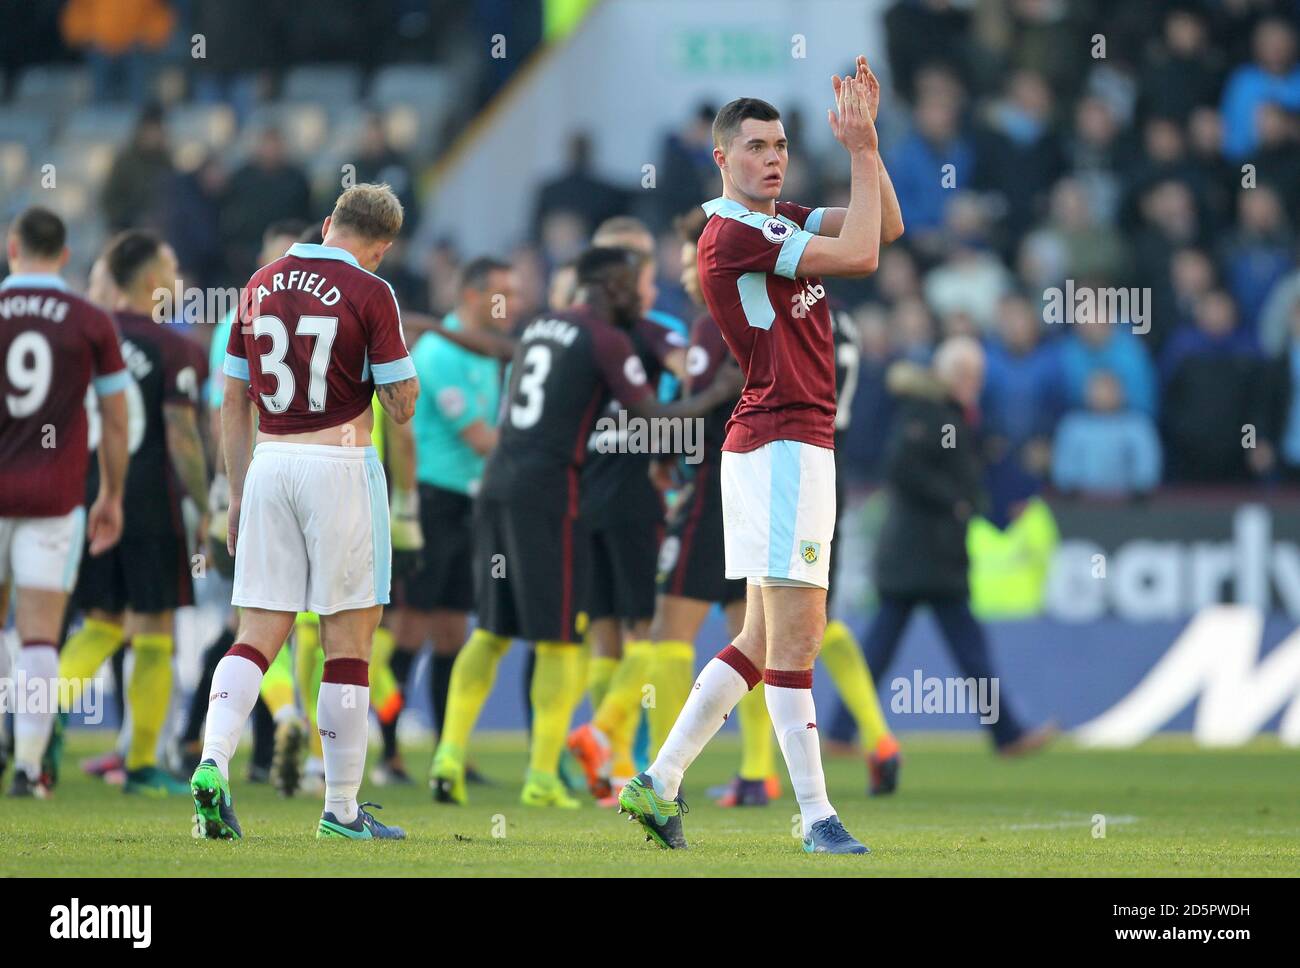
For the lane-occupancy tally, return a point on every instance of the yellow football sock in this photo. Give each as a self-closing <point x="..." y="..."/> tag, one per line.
<point x="385" y="697"/>
<point x="85" y="651"/>
<point x="848" y="669"/>
<point x="149" y="692"/>
<point x="755" y="736"/>
<point x="556" y="691"/>
<point x="672" y="670"/>
<point x="471" y="681"/>
<point x="277" y="685"/>
<point x="308" y="667"/>
<point x="618" y="715"/>
<point x="600" y="670"/>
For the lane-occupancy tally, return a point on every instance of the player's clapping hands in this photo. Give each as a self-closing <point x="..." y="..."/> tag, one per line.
<point x="852" y="119"/>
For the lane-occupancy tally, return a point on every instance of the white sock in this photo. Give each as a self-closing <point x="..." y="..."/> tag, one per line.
<point x="234" y="694"/>
<point x="717" y="690"/>
<point x="32" y="728"/>
<point x="343" y="716"/>
<point x="795" y="720"/>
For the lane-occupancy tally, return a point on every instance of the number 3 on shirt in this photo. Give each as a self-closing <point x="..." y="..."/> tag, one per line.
<point x="323" y="329"/>
<point x="537" y="364"/>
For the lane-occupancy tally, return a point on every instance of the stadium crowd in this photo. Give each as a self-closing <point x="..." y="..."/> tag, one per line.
<point x="1036" y="146"/>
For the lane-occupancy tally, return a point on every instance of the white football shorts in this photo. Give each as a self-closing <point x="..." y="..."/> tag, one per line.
<point x="778" y="512"/>
<point x="313" y="530"/>
<point x="42" y="553"/>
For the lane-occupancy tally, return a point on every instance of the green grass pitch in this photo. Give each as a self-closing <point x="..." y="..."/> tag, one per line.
<point x="1169" y="809"/>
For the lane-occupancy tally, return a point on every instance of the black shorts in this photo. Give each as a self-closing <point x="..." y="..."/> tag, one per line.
<point x="445" y="578"/>
<point x="692" y="562"/>
<point x="624" y="559"/>
<point x="146" y="574"/>
<point x="529" y="566"/>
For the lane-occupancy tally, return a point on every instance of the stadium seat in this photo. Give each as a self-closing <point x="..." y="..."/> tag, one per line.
<point x="329" y="84"/>
<point x="56" y="89"/>
<point x="305" y="127"/>
<point x="411" y="84"/>
<point x="27" y="127"/>
<point x="102" y="122"/>
<point x="211" y="125"/>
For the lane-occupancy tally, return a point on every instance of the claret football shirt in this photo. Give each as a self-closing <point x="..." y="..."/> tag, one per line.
<point x="315" y="334"/>
<point x="776" y="323"/>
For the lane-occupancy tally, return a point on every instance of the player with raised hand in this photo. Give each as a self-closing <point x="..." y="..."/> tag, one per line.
<point x="318" y="332"/>
<point x="53" y="346"/>
<point x="760" y="263"/>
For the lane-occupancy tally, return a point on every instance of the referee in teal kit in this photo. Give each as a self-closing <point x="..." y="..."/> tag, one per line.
<point x="455" y="430"/>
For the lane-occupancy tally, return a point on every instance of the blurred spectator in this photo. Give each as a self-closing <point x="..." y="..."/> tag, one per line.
<point x="1212" y="386"/>
<point x="1183" y="71"/>
<point x="1107" y="449"/>
<point x="913" y="328"/>
<point x="137" y="181"/>
<point x="1219" y="178"/>
<point x="1074" y="241"/>
<point x="1279" y="429"/>
<point x="1192" y="275"/>
<point x="1020" y="153"/>
<point x="1274" y="327"/>
<point x="268" y="188"/>
<point x="192" y="223"/>
<point x="1273" y="76"/>
<point x="687" y="175"/>
<point x="579" y="192"/>
<point x="972" y="278"/>
<point x="1022" y="392"/>
<point x="1277" y="162"/>
<point x="122" y="41"/>
<point x="864" y="443"/>
<point x="1258" y="252"/>
<point x="1107" y="344"/>
<point x="922" y="33"/>
<point x="1094" y="156"/>
<point x="1169" y="223"/>
<point x="379" y="163"/>
<point x="917" y="165"/>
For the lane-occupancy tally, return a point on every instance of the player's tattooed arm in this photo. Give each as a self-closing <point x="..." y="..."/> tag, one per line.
<point x="398" y="398"/>
<point x="185" y="450"/>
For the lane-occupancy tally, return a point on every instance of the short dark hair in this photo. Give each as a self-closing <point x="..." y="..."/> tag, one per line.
<point x="128" y="252"/>
<point x="474" y="275"/>
<point x="41" y="234"/>
<point x="594" y="265"/>
<point x="728" y="121"/>
<point x="291" y="227"/>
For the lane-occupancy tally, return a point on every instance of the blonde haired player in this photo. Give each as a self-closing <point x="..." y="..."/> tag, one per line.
<point x="318" y="333"/>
